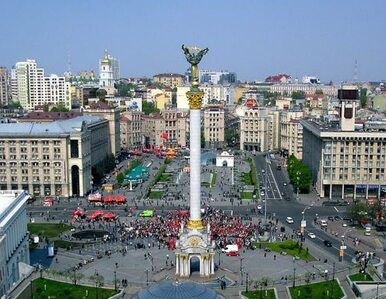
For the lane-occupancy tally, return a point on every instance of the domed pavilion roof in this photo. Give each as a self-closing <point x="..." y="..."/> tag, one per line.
<point x="177" y="290"/>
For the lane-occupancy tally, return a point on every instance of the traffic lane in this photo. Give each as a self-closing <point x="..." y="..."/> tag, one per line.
<point x="319" y="242"/>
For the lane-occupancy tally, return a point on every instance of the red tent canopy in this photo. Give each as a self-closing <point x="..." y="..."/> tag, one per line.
<point x="108" y="198"/>
<point x="78" y="212"/>
<point x="110" y="215"/>
<point x="120" y="199"/>
<point x="183" y="212"/>
<point x="114" y="199"/>
<point x="96" y="214"/>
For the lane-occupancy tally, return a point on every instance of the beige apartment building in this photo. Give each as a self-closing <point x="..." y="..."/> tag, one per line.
<point x="167" y="129"/>
<point x="52" y="159"/>
<point x="131" y="130"/>
<point x="259" y="129"/>
<point x="291" y="133"/>
<point x="103" y="110"/>
<point x="169" y="79"/>
<point x="214" y="126"/>
<point x="345" y="164"/>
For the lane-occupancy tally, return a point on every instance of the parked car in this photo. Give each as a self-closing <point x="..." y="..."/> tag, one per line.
<point x="232" y="253"/>
<point x="312" y="235"/>
<point x="337" y="218"/>
<point x="289" y="220"/>
<point x="327" y="243"/>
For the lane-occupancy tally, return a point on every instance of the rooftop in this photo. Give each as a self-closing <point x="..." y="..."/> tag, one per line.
<point x="51" y="116"/>
<point x="10" y="200"/>
<point x="68" y="126"/>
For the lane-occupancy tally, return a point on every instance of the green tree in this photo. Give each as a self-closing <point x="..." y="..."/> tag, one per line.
<point x="358" y="210"/>
<point x="363" y="97"/>
<point x="299" y="174"/>
<point x="174" y="96"/>
<point x="59" y="108"/>
<point x="101" y="94"/>
<point x="298" y="94"/>
<point x="120" y="177"/>
<point x="149" y="107"/>
<point x="16" y="105"/>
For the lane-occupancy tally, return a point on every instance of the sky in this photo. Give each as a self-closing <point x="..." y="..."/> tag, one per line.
<point x="254" y="38"/>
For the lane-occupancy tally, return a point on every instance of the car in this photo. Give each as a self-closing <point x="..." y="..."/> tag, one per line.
<point x="259" y="207"/>
<point x="323" y="223"/>
<point x="266" y="249"/>
<point x="337" y="218"/>
<point x="289" y="220"/>
<point x="344" y="224"/>
<point x="232" y="253"/>
<point x="327" y="243"/>
<point x="312" y="235"/>
<point x="330" y="218"/>
<point x="262" y="193"/>
<point x="284" y="184"/>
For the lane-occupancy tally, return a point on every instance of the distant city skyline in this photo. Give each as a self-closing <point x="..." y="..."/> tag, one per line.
<point x="253" y="39"/>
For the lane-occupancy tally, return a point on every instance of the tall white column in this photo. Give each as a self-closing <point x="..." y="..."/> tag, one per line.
<point x="177" y="265"/>
<point x="195" y="164"/>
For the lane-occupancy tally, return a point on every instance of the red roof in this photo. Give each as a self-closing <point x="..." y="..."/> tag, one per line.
<point x="50" y="116"/>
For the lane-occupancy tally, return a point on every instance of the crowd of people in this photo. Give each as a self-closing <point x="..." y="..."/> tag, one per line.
<point x="164" y="230"/>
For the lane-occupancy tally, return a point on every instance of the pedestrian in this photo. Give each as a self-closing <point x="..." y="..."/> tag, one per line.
<point x="274" y="257"/>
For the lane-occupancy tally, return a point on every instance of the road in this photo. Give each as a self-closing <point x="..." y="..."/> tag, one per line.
<point x="288" y="206"/>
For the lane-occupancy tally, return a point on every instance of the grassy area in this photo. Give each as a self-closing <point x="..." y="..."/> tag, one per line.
<point x="290" y="247"/>
<point x="67" y="244"/>
<point x="213" y="179"/>
<point x="164" y="178"/>
<point x="156" y="194"/>
<point x="268" y="294"/>
<point x="246" y="177"/>
<point x="252" y="172"/>
<point x="326" y="289"/>
<point x="361" y="277"/>
<point x="45" y="288"/>
<point x="246" y="195"/>
<point x="50" y="230"/>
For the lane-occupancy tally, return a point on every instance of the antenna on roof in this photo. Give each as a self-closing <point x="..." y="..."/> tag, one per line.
<point x="68" y="61"/>
<point x="356" y="71"/>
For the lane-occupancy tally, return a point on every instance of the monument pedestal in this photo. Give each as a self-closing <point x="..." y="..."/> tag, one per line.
<point x="194" y="243"/>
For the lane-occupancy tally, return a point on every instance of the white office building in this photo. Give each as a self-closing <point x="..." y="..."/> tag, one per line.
<point x="13" y="237"/>
<point x="31" y="88"/>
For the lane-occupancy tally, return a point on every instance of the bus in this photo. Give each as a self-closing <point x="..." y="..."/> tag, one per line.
<point x="147" y="213"/>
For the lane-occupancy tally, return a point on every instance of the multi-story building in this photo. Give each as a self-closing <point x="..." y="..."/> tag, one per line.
<point x="287" y="89"/>
<point x="108" y="71"/>
<point x="345" y="164"/>
<point x="214" y="126"/>
<point x="131" y="130"/>
<point x="5" y="92"/>
<point x="14" y="238"/>
<point x="169" y="79"/>
<point x="112" y="115"/>
<point x="167" y="129"/>
<point x="31" y="88"/>
<point x="291" y="133"/>
<point x="259" y="129"/>
<point x="52" y="158"/>
<point x="223" y="94"/>
<point x="221" y="77"/>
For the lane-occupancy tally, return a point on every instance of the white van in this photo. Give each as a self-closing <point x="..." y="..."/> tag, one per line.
<point x="230" y="248"/>
<point x="368" y="231"/>
<point x="323" y="223"/>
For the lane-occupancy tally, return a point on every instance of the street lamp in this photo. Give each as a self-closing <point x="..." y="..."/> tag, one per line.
<point x="147" y="277"/>
<point x="298" y="183"/>
<point x="241" y="271"/>
<point x="343" y="246"/>
<point x="115" y="276"/>
<point x="219" y="256"/>
<point x="293" y="283"/>
<point x="303" y="223"/>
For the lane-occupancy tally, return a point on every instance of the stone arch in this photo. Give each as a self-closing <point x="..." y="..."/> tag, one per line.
<point x="225" y="163"/>
<point x="194" y="263"/>
<point x="75" y="180"/>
